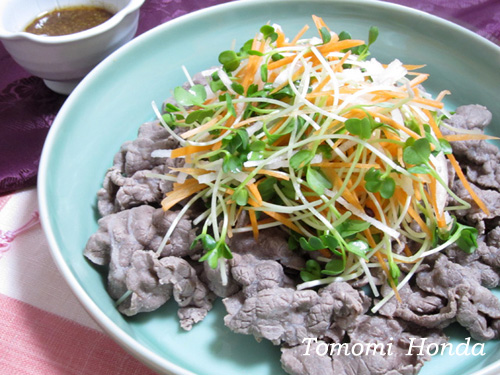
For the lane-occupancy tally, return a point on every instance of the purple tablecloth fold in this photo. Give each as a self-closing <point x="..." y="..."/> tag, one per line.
<point x="27" y="107"/>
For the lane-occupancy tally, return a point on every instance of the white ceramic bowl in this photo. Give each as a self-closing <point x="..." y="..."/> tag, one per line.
<point x="62" y="61"/>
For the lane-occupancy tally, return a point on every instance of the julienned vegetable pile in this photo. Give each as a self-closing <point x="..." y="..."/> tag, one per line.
<point x="312" y="135"/>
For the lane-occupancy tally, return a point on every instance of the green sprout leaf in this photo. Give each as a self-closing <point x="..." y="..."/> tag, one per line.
<point x="266" y="188"/>
<point x="360" y="127"/>
<point x="301" y="159"/>
<point x="394" y="271"/>
<point x="417" y="152"/>
<point x="257" y="145"/>
<point x="330" y="242"/>
<point x="419" y="169"/>
<point x="317" y="181"/>
<point x="216" y="84"/>
<point x="229" y="60"/>
<point x="230" y="106"/>
<point x="241" y="197"/>
<point x="277" y="56"/>
<point x="293" y="243"/>
<point x="199" y="116"/>
<point x="372" y="35"/>
<point x="287" y="189"/>
<point x="351" y="226"/>
<point x="467" y="241"/>
<point x="311" y="272"/>
<point x="325" y="150"/>
<point x="169" y="107"/>
<point x="388" y="188"/>
<point x="311" y="244"/>
<point x="359" y="248"/>
<point x="263" y="72"/>
<point x="232" y="163"/>
<point x="215" y="251"/>
<point x="196" y="95"/>
<point x="325" y="35"/>
<point x="269" y="32"/>
<point x="375" y="181"/>
<point x="445" y="146"/>
<point x="239" y="89"/>
<point x="344" y="35"/>
<point x="334" y="267"/>
<point x="238" y="141"/>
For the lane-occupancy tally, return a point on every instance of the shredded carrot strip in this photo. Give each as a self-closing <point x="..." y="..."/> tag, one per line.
<point x="418" y="79"/>
<point x="299" y="35"/>
<point x="294" y="77"/>
<point x="253" y="64"/>
<point x="318" y="21"/>
<point x="407" y="251"/>
<point x="279" y="63"/>
<point x="200" y="128"/>
<point x="387" y="272"/>
<point x="191" y="171"/>
<point x="441" y="221"/>
<point x="413" y="67"/>
<point x="466" y="184"/>
<point x="217" y="146"/>
<point x="321" y="84"/>
<point x="253" y="222"/>
<point x="268" y="172"/>
<point x="254" y="190"/>
<point x="180" y="192"/>
<point x="187" y="150"/>
<point x="280" y="41"/>
<point x="339" y="45"/>
<point x="457" y="168"/>
<point x="331" y="46"/>
<point x="338" y="66"/>
<point x="468" y="137"/>
<point x="400" y="195"/>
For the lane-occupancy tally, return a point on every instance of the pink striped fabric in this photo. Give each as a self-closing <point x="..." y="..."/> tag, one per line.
<point x="35" y="342"/>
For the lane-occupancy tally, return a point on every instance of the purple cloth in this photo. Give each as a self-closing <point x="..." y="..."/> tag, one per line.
<point x="481" y="16"/>
<point x="27" y="107"/>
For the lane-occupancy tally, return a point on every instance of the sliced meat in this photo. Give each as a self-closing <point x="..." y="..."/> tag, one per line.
<point x="153" y="281"/>
<point x="268" y="307"/>
<point x="478" y="310"/>
<point x="213" y="279"/>
<point x="377" y="346"/>
<point x="479" y="158"/>
<point x="127" y="183"/>
<point x="146" y="291"/>
<point x="475" y="216"/>
<point x="420" y="308"/>
<point x="272" y="244"/>
<point x="193" y="297"/>
<point x="141" y="228"/>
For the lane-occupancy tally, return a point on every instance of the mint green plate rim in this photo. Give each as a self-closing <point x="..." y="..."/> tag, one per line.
<point x="53" y="173"/>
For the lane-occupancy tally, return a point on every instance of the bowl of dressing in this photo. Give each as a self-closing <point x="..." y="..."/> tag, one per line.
<point x="61" y="41"/>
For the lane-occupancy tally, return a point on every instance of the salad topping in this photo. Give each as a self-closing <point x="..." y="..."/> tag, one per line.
<point x="311" y="134"/>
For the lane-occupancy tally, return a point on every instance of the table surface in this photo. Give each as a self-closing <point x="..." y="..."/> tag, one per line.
<point x="43" y="328"/>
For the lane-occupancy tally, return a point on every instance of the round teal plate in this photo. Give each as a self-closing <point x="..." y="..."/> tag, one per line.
<point x="110" y="104"/>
